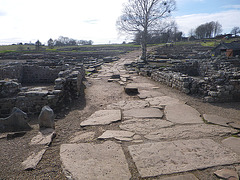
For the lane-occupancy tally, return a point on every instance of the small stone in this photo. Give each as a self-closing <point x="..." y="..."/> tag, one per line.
<point x="227" y="174"/>
<point x="116" y="134"/>
<point x="46" y="118"/>
<point x="136" y="137"/>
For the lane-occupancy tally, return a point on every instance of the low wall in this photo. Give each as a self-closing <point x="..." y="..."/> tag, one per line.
<point x="67" y="87"/>
<point x="219" y="79"/>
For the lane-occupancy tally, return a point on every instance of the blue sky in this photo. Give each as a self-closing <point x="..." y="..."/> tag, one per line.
<point x="191" y="13"/>
<point x="30" y="20"/>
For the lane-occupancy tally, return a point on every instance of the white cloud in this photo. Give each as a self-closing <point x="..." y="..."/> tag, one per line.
<point x="80" y="19"/>
<point x="228" y="19"/>
<point x="237" y="6"/>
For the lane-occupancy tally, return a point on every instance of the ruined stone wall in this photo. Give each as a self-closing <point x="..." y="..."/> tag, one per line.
<point x="39" y="74"/>
<point x="11" y="71"/>
<point x="219" y="80"/>
<point x="66" y="88"/>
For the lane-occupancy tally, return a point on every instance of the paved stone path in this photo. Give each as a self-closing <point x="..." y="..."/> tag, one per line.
<point x="160" y="135"/>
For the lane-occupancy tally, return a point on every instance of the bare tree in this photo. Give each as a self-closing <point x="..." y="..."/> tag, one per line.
<point x="38" y="45"/>
<point x="208" y="30"/>
<point x="144" y="16"/>
<point x="235" y="30"/>
<point x="217" y="29"/>
<point x="50" y="43"/>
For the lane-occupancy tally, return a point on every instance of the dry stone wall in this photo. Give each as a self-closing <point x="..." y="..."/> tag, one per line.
<point x="216" y="79"/>
<point x="66" y="80"/>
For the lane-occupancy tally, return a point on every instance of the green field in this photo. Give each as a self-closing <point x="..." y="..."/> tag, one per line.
<point x="24" y="48"/>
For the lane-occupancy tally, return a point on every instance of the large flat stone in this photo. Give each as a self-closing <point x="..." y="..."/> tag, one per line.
<point x="190" y="131"/>
<point x="32" y="161"/>
<point x="141" y="85"/>
<point x="153" y="159"/>
<point x="94" y="161"/>
<point x="162" y="101"/>
<point x="182" y="114"/>
<point x="44" y="137"/>
<point x="144" y="126"/>
<point x="103" y="117"/>
<point x="126" y="105"/>
<point x="143" y="94"/>
<point x="214" y="119"/>
<point x="233" y="143"/>
<point x="119" y="135"/>
<point x="79" y="136"/>
<point x="143" y="113"/>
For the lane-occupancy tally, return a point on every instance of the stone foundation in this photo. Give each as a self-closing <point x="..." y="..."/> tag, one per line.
<point x="65" y="85"/>
<point x="219" y="79"/>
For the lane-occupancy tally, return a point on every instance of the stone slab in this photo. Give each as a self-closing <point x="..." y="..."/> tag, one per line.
<point x="182" y="114"/>
<point x="79" y="136"/>
<point x="214" y="119"/>
<point x="143" y="94"/>
<point x="103" y="117"/>
<point x="232" y="143"/>
<point x="126" y="105"/>
<point x="32" y="161"/>
<point x="229" y="174"/>
<point x="153" y="159"/>
<point x="162" y="101"/>
<point x="44" y="137"/>
<point x="181" y="177"/>
<point x="143" y="113"/>
<point x="117" y="135"/>
<point x="144" y="126"/>
<point x="190" y="131"/>
<point x="94" y="161"/>
<point x="141" y="85"/>
<point x="235" y="125"/>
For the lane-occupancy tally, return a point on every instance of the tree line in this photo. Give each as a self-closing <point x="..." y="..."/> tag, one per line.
<point x="66" y="41"/>
<point x="207" y="30"/>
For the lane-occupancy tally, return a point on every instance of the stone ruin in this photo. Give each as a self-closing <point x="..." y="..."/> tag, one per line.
<point x="32" y="85"/>
<point x="192" y="70"/>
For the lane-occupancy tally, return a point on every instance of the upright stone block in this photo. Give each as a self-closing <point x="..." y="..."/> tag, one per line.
<point x="46" y="118"/>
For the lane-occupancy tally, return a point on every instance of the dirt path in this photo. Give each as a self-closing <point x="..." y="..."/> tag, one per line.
<point x="99" y="93"/>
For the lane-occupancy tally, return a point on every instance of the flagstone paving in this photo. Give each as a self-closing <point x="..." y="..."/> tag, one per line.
<point x="94" y="161"/>
<point x="153" y="159"/>
<point x="102" y="117"/>
<point x="182" y="114"/>
<point x="144" y="126"/>
<point x="159" y="134"/>
<point x="189" y="132"/>
<point x="143" y="113"/>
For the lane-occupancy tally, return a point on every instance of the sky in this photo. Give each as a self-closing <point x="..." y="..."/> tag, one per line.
<point x="31" y="20"/>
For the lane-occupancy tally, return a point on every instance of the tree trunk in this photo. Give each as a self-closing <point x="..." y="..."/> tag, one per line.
<point x="144" y="46"/>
